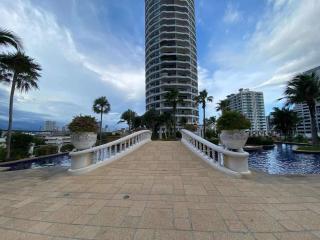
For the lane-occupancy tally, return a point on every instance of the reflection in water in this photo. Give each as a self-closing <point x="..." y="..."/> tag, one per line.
<point x="61" y="160"/>
<point x="281" y="160"/>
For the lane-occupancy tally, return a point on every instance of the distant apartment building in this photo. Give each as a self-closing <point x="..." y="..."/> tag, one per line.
<point x="304" y="127"/>
<point x="50" y="126"/>
<point x="250" y="104"/>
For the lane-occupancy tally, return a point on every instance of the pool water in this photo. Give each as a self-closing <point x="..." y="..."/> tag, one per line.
<point x="62" y="160"/>
<point x="282" y="160"/>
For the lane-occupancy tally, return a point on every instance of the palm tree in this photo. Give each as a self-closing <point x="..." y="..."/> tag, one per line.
<point x="167" y="120"/>
<point x="284" y="120"/>
<point x="150" y="119"/>
<point x="211" y="120"/>
<point x="173" y="98"/>
<point x="101" y="105"/>
<point x="128" y="117"/>
<point x="24" y="72"/>
<point x="202" y="99"/>
<point x="223" y="105"/>
<point x="305" y="88"/>
<point x="8" y="38"/>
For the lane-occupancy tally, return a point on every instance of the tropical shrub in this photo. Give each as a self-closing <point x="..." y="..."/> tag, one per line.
<point x="210" y="133"/>
<point x="214" y="140"/>
<point x="259" y="140"/>
<point x="2" y="154"/>
<point x="232" y="120"/>
<point x="38" y="141"/>
<point x="67" y="147"/>
<point x="20" y="144"/>
<point x="83" y="124"/>
<point x="178" y="135"/>
<point x="190" y="127"/>
<point x="300" y="139"/>
<point x="46" y="150"/>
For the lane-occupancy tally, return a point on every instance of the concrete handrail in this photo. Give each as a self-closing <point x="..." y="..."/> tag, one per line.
<point x="230" y="162"/>
<point x="92" y="158"/>
<point x="109" y="144"/>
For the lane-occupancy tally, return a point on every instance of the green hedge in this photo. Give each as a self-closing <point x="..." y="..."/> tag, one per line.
<point x="259" y="140"/>
<point x="67" y="147"/>
<point x="46" y="150"/>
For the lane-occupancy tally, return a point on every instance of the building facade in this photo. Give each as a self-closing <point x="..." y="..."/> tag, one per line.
<point x="250" y="104"/>
<point x="171" y="55"/>
<point x="304" y="127"/>
<point x="50" y="126"/>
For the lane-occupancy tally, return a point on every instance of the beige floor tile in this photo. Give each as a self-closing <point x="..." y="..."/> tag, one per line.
<point x="295" y="236"/>
<point x="40" y="227"/>
<point x="182" y="224"/>
<point x="202" y="235"/>
<point x="195" y="190"/>
<point x="232" y="236"/>
<point x="258" y="221"/>
<point x="157" y="218"/>
<point x="109" y="216"/>
<point x="89" y="232"/>
<point x="63" y="230"/>
<point x="264" y="236"/>
<point x="172" y="234"/>
<point x="144" y="234"/>
<point x="207" y="220"/>
<point x="111" y="233"/>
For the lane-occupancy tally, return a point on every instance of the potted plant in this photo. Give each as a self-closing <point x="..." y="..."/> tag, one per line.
<point x="232" y="125"/>
<point x="83" y="131"/>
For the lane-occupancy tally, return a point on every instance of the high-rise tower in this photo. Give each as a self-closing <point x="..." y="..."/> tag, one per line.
<point x="171" y="55"/>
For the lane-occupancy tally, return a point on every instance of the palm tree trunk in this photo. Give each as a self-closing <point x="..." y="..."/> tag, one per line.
<point x="314" y="129"/>
<point x="174" y="121"/>
<point x="204" y="122"/>
<point x="101" y="127"/>
<point x="9" y="133"/>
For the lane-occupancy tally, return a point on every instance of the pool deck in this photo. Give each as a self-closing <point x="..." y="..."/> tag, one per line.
<point x="172" y="195"/>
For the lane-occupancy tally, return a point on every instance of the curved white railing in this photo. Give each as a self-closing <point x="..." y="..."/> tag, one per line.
<point x="92" y="158"/>
<point x="233" y="163"/>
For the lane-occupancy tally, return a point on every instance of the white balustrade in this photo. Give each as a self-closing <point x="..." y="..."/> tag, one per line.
<point x="230" y="162"/>
<point x="92" y="158"/>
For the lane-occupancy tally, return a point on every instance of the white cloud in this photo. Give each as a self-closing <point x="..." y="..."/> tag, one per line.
<point x="284" y="43"/>
<point x="114" y="68"/>
<point x="232" y="14"/>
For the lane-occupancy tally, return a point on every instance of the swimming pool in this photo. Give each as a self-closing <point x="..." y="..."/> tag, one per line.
<point x="62" y="160"/>
<point x="282" y="160"/>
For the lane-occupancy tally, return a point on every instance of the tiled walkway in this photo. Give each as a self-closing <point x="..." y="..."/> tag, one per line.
<point x="160" y="191"/>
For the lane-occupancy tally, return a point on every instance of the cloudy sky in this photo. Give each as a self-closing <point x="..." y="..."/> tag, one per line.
<point x="92" y="48"/>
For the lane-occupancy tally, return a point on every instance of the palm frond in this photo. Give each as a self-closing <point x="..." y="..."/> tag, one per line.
<point x="8" y="38"/>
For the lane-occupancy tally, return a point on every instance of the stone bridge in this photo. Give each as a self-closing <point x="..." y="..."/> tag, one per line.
<point x="159" y="191"/>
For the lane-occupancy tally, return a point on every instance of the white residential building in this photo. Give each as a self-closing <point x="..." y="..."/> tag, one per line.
<point x="171" y="56"/>
<point x="304" y="127"/>
<point x="50" y="126"/>
<point x="250" y="104"/>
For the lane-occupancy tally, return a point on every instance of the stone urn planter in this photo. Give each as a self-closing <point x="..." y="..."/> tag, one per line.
<point x="83" y="132"/>
<point x="234" y="139"/>
<point x="83" y="140"/>
<point x="233" y="127"/>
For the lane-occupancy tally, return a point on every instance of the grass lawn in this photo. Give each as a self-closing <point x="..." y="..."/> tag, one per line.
<point x="309" y="148"/>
